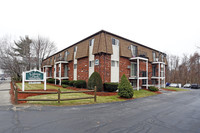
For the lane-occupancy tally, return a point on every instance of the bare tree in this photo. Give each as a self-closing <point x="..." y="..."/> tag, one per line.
<point x="42" y="48"/>
<point x="9" y="62"/>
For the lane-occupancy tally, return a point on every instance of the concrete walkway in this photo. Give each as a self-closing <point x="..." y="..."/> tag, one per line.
<point x="4" y="93"/>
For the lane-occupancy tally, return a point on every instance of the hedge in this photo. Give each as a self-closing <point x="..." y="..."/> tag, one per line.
<point x="71" y="83"/>
<point x="153" y="88"/>
<point x="65" y="82"/>
<point x="52" y="81"/>
<point x="64" y="86"/>
<point x="80" y="84"/>
<point x="110" y="87"/>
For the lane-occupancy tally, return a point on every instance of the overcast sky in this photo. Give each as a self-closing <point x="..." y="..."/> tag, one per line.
<point x="171" y="26"/>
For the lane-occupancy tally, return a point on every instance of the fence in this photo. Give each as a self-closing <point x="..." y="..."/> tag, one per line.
<point x="50" y="92"/>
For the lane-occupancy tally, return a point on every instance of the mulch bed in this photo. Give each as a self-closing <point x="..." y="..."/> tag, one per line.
<point x="158" y="92"/>
<point x="168" y="89"/>
<point x="92" y="93"/>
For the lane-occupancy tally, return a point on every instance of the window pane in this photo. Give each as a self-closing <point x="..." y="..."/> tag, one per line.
<point x="66" y="53"/>
<point x="75" y="48"/>
<point x="134" y="50"/>
<point x="112" y="63"/>
<point x="75" y="66"/>
<point x="154" y="56"/>
<point x="117" y="62"/>
<point x="66" y="69"/>
<point x="113" y="41"/>
<point x="91" y="42"/>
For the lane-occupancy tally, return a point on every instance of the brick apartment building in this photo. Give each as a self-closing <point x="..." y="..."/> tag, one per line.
<point x="111" y="56"/>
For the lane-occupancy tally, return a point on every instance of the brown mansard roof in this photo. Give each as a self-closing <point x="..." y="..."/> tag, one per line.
<point x="99" y="46"/>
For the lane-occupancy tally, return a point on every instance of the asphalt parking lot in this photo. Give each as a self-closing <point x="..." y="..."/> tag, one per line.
<point x="174" y="112"/>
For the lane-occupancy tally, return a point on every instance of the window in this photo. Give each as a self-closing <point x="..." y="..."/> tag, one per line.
<point x="66" y="53"/>
<point x="134" y="83"/>
<point x="162" y="71"/>
<point x="133" y="69"/>
<point x="153" y="70"/>
<point x="113" y="63"/>
<point x="50" y="72"/>
<point x="91" y="42"/>
<point x="115" y="42"/>
<point x="91" y="63"/>
<point x="60" y="56"/>
<point x="162" y="57"/>
<point x="65" y="71"/>
<point x="134" y="50"/>
<point x="117" y="62"/>
<point x="144" y="73"/>
<point x="154" y="56"/>
<point x="75" y="48"/>
<point x="144" y="81"/>
<point x="75" y="66"/>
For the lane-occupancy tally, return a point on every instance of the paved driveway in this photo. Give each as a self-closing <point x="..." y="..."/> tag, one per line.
<point x="175" y="112"/>
<point x="4" y="92"/>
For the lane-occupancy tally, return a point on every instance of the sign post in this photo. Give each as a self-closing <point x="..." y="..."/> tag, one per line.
<point x="33" y="76"/>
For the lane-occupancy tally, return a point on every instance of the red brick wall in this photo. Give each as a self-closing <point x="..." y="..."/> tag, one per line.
<point x="52" y="71"/>
<point x="123" y="67"/>
<point x="83" y="69"/>
<point x="70" y="70"/>
<point x="104" y="67"/>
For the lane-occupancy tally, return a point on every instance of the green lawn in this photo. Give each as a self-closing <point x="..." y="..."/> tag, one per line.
<point x="176" y="89"/>
<point x="143" y="93"/>
<point x="36" y="86"/>
<point x="100" y="99"/>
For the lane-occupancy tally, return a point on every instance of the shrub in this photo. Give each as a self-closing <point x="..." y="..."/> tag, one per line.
<point x="125" y="88"/>
<point x="95" y="80"/>
<point x="52" y="81"/>
<point x="110" y="87"/>
<point x="153" y="88"/>
<point x="74" y="83"/>
<point x="71" y="83"/>
<point x="65" y="82"/>
<point x="80" y="84"/>
<point x="64" y="86"/>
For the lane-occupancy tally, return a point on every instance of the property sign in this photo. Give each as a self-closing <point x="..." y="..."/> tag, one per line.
<point x="96" y="62"/>
<point x="33" y="76"/>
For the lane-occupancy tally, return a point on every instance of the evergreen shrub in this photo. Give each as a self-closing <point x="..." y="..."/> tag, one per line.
<point x="125" y="90"/>
<point x="95" y="80"/>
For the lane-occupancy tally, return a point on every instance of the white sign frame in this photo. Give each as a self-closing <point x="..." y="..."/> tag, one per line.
<point x="24" y="78"/>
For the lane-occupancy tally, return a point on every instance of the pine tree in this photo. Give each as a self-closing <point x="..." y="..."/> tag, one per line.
<point x="23" y="50"/>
